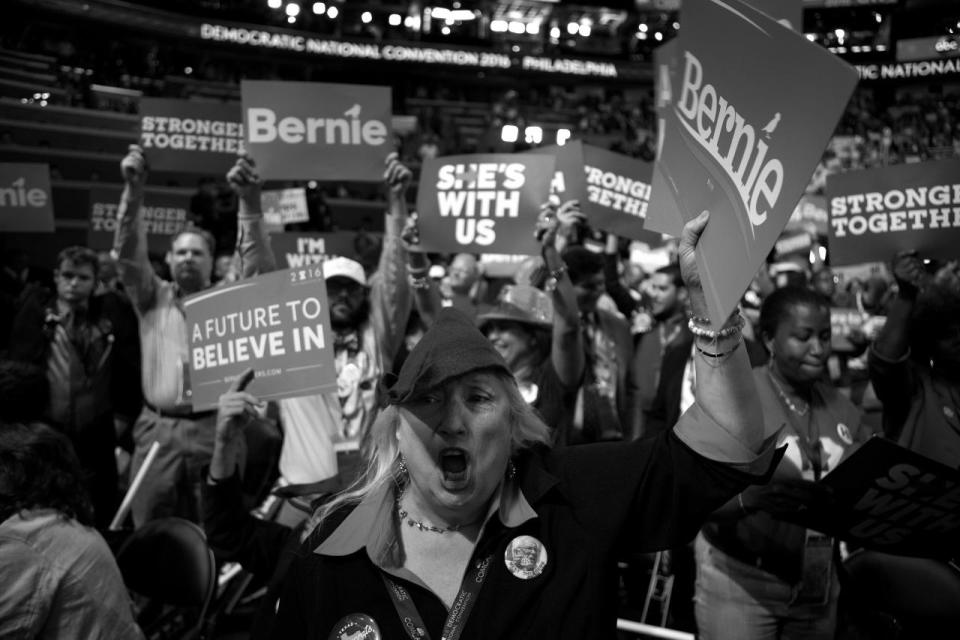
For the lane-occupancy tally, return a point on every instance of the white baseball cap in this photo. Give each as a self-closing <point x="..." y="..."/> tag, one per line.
<point x="344" y="267"/>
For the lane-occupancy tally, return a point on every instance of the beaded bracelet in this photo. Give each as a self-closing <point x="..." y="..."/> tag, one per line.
<point x="559" y="272"/>
<point x="420" y="282"/>
<point x="696" y="328"/>
<point x="723" y="354"/>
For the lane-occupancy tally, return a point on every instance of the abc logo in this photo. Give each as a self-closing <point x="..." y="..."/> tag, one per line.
<point x="18" y="195"/>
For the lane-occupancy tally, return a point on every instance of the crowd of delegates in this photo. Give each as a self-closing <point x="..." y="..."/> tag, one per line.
<point x="588" y="404"/>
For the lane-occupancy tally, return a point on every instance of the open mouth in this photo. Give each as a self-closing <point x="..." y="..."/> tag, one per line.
<point x="453" y="464"/>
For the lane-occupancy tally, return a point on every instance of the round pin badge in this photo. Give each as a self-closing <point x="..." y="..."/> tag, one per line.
<point x="356" y="626"/>
<point x="949" y="412"/>
<point x="525" y="557"/>
<point x="844" y="433"/>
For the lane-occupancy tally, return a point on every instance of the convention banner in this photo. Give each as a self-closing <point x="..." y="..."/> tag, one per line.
<point x="284" y="206"/>
<point x="484" y="203"/>
<point x="164" y="215"/>
<point x="26" y="199"/>
<point x="878" y="212"/>
<point x="312" y="130"/>
<point x="192" y="137"/>
<point x="294" y="250"/>
<point x="277" y="323"/>
<point x="890" y="499"/>
<point x="750" y="116"/>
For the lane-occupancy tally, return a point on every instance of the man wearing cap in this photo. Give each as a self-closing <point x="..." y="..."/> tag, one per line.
<point x="323" y="433"/>
<point x="185" y="436"/>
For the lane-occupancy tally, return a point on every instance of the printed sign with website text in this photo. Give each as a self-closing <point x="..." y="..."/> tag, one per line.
<point x="312" y="130"/>
<point x="751" y="113"/>
<point x="277" y="323"/>
<point x="878" y="212"/>
<point x="284" y="206"/>
<point x="164" y="216"/>
<point x="485" y="203"/>
<point x="194" y="137"/>
<point x="304" y="249"/>
<point x="891" y="499"/>
<point x="26" y="199"/>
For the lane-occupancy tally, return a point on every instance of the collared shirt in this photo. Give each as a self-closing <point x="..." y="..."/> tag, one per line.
<point x="163" y="325"/>
<point x="60" y="581"/>
<point x="317" y="427"/>
<point x="585" y="506"/>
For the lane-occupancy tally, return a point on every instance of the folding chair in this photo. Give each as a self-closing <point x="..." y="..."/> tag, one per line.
<point x="172" y="573"/>
<point x="910" y="597"/>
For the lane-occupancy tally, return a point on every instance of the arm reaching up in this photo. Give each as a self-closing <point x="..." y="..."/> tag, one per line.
<point x="253" y="254"/>
<point x="130" y="241"/>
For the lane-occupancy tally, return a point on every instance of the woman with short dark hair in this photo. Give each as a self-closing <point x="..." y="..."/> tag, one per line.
<point x="60" y="579"/>
<point x="759" y="576"/>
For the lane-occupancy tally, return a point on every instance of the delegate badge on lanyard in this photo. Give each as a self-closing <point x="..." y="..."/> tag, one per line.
<point x="356" y="626"/>
<point x="459" y="612"/>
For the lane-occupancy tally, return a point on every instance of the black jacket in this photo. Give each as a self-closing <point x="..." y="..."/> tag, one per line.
<point x="594" y="504"/>
<point x="110" y="378"/>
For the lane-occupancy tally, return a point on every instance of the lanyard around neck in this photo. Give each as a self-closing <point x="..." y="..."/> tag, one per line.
<point x="459" y="612"/>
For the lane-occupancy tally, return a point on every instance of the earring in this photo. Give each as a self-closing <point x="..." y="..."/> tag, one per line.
<point x="402" y="473"/>
<point x="511" y="470"/>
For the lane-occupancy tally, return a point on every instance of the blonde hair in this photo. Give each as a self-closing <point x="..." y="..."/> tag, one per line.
<point x="383" y="452"/>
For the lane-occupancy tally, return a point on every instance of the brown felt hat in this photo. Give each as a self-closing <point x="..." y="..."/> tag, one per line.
<point x="452" y="347"/>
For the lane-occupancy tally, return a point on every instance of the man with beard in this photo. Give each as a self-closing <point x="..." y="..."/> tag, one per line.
<point x="669" y="333"/>
<point x="914" y="363"/>
<point x="185" y="436"/>
<point x="323" y="434"/>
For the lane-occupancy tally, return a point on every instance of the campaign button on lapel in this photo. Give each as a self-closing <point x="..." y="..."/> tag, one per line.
<point x="949" y="412"/>
<point x="525" y="557"/>
<point x="356" y="626"/>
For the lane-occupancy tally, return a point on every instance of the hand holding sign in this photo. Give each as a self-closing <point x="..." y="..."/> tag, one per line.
<point x="687" y="255"/>
<point x="235" y="404"/>
<point x="785" y="497"/>
<point x="910" y="274"/>
<point x="133" y="167"/>
<point x="245" y="181"/>
<point x="397" y="176"/>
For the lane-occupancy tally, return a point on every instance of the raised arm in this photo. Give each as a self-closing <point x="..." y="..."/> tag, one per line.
<point x="426" y="292"/>
<point x="566" y="351"/>
<point x="130" y="241"/>
<point x="253" y="254"/>
<point x="625" y="302"/>
<point x="726" y="394"/>
<point x="390" y="299"/>
<point x="893" y="341"/>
